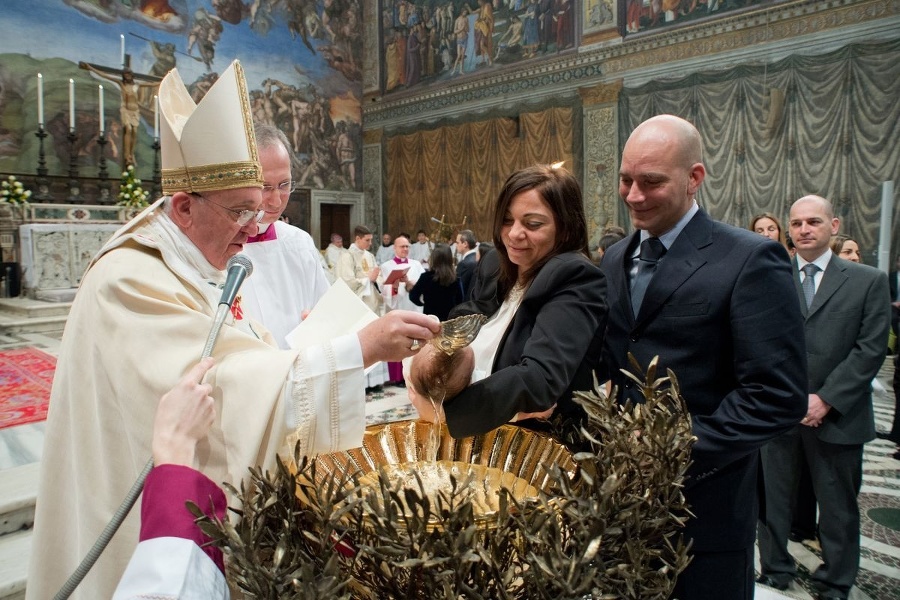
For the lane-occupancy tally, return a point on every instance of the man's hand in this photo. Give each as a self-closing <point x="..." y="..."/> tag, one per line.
<point x="816" y="412"/>
<point x="184" y="417"/>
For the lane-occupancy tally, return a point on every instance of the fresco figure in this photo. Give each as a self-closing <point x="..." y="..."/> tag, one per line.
<point x="484" y="32"/>
<point x="413" y="57"/>
<point x="531" y="30"/>
<point x="461" y="31"/>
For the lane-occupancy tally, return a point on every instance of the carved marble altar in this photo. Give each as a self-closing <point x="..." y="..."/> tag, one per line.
<point x="55" y="255"/>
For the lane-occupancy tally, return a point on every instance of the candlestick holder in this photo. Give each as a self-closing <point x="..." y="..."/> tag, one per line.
<point x="157" y="175"/>
<point x="74" y="184"/>
<point x="101" y="162"/>
<point x="41" y="133"/>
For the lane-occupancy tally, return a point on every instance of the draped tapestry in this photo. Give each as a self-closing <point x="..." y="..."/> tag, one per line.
<point x="458" y="170"/>
<point x="825" y="125"/>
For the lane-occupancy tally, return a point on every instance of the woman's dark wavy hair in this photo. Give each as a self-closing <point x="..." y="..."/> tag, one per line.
<point x="441" y="260"/>
<point x="562" y="193"/>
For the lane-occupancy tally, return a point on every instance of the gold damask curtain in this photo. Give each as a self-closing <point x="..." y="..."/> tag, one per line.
<point x="825" y="125"/>
<point x="458" y="170"/>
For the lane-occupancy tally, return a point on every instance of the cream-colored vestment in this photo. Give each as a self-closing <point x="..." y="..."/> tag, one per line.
<point x="138" y="323"/>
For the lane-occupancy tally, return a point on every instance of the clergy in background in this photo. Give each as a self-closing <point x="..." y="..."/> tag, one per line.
<point x="399" y="275"/>
<point x="288" y="278"/>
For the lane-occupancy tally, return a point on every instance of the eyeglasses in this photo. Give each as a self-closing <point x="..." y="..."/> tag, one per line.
<point x="243" y="216"/>
<point x="285" y="187"/>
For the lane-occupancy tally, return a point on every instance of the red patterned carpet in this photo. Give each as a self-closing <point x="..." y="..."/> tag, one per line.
<point x="26" y="375"/>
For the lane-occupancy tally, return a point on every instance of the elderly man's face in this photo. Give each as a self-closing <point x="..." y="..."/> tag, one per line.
<point x="401" y="247"/>
<point x="214" y="229"/>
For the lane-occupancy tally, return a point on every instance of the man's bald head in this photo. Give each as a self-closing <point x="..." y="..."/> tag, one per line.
<point x="672" y="130"/>
<point x="825" y="204"/>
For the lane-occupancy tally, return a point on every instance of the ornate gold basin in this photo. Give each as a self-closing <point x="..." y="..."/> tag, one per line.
<point x="509" y="457"/>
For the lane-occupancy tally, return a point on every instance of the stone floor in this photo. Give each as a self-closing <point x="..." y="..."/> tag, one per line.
<point x="879" y="576"/>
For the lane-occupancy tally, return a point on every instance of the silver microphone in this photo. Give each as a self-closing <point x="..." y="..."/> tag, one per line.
<point x="239" y="268"/>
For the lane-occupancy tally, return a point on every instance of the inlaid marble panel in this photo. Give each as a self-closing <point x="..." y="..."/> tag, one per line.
<point x="54" y="256"/>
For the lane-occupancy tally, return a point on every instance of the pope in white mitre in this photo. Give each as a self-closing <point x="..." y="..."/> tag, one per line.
<point x="139" y="322"/>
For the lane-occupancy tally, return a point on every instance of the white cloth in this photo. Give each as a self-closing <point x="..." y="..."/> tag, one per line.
<point x="485" y="345"/>
<point x="400" y="300"/>
<point x="171" y="568"/>
<point x="138" y="323"/>
<point x="421" y="251"/>
<point x="353" y="268"/>
<point x="287" y="279"/>
<point x="384" y="253"/>
<point x="332" y="255"/>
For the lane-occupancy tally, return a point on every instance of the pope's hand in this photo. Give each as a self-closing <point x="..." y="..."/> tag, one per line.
<point x="396" y="335"/>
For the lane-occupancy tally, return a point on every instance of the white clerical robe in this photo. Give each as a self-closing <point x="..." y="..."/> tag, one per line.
<point x="168" y="563"/>
<point x="421" y="251"/>
<point x="401" y="300"/>
<point x="353" y="267"/>
<point x="287" y="279"/>
<point x="138" y="323"/>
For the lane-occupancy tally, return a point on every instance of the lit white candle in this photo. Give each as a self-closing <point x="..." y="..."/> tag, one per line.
<point x="100" y="93"/>
<point x="72" y="104"/>
<point x="41" y="100"/>
<point x="122" y="43"/>
<point x="156" y="117"/>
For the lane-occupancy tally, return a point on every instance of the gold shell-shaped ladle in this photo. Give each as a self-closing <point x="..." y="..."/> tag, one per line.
<point x="458" y="333"/>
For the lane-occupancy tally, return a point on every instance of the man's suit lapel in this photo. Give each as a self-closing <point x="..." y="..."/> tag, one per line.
<point x="679" y="263"/>
<point x="832" y="280"/>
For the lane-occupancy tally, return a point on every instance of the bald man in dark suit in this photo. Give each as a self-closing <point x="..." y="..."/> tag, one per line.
<point x="846" y="315"/>
<point x="717" y="304"/>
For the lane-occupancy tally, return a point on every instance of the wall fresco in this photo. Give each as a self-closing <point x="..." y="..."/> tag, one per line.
<point x="302" y="59"/>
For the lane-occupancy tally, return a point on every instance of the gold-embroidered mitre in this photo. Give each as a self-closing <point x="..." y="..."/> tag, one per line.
<point x="210" y="145"/>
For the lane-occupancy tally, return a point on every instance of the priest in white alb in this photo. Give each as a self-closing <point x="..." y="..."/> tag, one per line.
<point x="399" y="275"/>
<point x="288" y="278"/>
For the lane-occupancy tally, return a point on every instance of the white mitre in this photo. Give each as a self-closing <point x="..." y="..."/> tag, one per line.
<point x="210" y="145"/>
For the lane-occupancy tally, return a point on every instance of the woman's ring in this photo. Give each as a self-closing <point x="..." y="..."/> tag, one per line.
<point x="415" y="345"/>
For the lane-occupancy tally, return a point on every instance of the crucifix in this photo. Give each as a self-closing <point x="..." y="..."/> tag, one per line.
<point x="130" y="84"/>
<point x="444" y="231"/>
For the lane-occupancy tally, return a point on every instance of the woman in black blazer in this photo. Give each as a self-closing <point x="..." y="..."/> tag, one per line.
<point x="547" y="315"/>
<point x="439" y="289"/>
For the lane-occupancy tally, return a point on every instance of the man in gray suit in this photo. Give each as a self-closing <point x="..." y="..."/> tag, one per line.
<point x="847" y="314"/>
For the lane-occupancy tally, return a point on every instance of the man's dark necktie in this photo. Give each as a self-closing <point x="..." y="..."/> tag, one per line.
<point x="651" y="251"/>
<point x="809" y="283"/>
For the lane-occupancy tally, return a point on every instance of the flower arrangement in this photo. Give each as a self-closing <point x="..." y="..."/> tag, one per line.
<point x="131" y="194"/>
<point x="14" y="193"/>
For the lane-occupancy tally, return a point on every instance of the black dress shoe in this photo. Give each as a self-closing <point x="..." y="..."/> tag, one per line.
<point x="774" y="581"/>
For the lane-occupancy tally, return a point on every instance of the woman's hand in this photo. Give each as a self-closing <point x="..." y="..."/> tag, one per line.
<point x="537" y="415"/>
